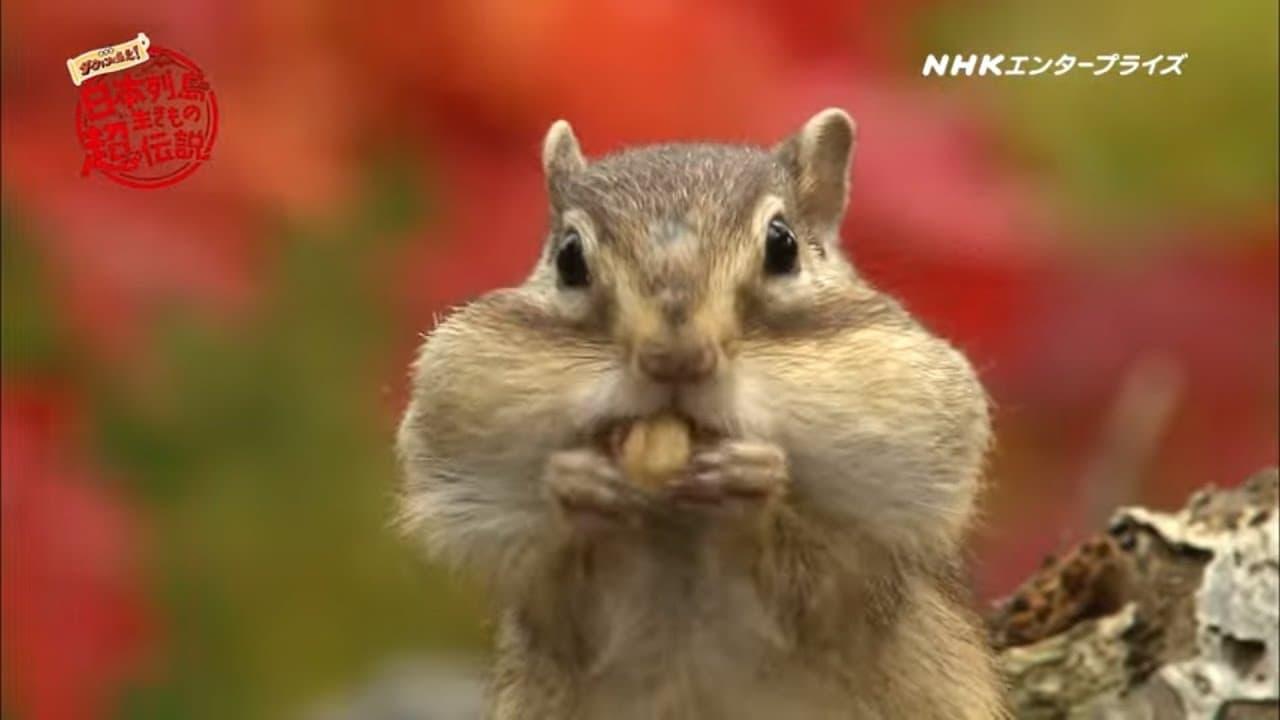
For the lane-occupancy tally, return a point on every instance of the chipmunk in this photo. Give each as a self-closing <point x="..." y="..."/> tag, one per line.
<point x="803" y="559"/>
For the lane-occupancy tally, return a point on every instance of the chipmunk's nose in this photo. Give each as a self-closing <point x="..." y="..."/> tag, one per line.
<point x="686" y="362"/>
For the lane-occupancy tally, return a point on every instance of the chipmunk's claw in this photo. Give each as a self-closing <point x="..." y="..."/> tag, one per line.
<point x="589" y="490"/>
<point x="733" y="470"/>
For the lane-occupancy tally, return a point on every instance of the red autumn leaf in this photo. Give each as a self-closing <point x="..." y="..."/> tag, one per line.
<point x="74" y="621"/>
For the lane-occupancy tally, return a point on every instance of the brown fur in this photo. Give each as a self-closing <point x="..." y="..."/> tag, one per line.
<point x="834" y="594"/>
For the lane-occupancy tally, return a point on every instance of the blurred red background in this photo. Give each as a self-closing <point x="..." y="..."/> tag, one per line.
<point x="200" y="383"/>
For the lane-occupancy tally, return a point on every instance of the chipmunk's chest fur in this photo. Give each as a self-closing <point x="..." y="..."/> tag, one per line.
<point x="656" y="637"/>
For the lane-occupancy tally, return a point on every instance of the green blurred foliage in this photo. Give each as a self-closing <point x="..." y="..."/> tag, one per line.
<point x="30" y="341"/>
<point x="1133" y="151"/>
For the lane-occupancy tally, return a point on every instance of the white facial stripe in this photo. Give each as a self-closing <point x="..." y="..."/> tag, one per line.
<point x="768" y="207"/>
<point x="740" y="264"/>
<point x="579" y="220"/>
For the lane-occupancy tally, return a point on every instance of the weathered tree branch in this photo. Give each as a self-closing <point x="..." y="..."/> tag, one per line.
<point x="1161" y="616"/>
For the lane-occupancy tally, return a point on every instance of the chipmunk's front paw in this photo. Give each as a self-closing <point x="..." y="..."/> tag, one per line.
<point x="589" y="491"/>
<point x="736" y="473"/>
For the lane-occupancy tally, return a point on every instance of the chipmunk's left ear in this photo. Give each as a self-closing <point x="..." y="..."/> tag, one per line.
<point x="818" y="159"/>
<point x="561" y="156"/>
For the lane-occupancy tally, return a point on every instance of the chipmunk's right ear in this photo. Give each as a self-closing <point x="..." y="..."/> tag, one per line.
<point x="561" y="155"/>
<point x="818" y="159"/>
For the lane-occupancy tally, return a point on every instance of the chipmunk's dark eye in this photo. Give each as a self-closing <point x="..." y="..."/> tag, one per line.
<point x="570" y="262"/>
<point x="780" y="249"/>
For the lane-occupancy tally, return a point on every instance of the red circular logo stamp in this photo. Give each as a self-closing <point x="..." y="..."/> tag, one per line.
<point x="150" y="125"/>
